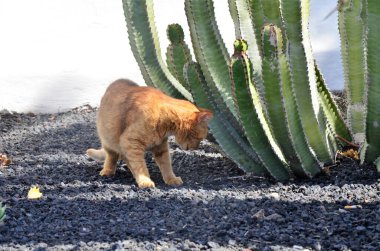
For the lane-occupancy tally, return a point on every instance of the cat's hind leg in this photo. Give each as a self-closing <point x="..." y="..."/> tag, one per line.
<point x="162" y="157"/>
<point x="110" y="162"/>
<point x="96" y="154"/>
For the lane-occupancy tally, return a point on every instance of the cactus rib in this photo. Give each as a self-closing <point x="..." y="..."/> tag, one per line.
<point x="2" y="212"/>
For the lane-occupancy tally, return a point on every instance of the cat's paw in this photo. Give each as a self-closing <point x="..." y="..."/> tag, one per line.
<point x="174" y="181"/>
<point x="145" y="182"/>
<point x="107" y="172"/>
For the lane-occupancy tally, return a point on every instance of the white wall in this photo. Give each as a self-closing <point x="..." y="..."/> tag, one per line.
<point x="59" y="54"/>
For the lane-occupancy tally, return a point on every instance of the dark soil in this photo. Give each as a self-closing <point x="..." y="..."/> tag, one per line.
<point x="218" y="207"/>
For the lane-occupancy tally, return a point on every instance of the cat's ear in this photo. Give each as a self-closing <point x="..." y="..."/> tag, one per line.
<point x="204" y="115"/>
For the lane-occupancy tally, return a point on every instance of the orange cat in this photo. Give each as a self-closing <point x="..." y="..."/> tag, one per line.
<point x="132" y="119"/>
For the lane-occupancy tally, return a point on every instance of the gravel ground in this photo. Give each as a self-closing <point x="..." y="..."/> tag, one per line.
<point x="218" y="208"/>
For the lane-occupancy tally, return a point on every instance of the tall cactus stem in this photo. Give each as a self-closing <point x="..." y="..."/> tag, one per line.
<point x="331" y="110"/>
<point x="209" y="49"/>
<point x="241" y="14"/>
<point x="295" y="17"/>
<point x="145" y="46"/>
<point x="251" y="114"/>
<point x="233" y="143"/>
<point x="177" y="53"/>
<point x="373" y="90"/>
<point x="352" y="34"/>
<point x="280" y="104"/>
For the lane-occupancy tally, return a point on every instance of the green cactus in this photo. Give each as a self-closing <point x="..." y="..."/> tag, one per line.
<point x="352" y="34"/>
<point x="234" y="144"/>
<point x="281" y="105"/>
<point x="178" y="53"/>
<point x="373" y="83"/>
<point x="334" y="117"/>
<point x="145" y="46"/>
<point x="2" y="212"/>
<point x="275" y="115"/>
<point x="209" y="49"/>
<point x="251" y="114"/>
<point x="295" y="17"/>
<point x="241" y="13"/>
<point x="359" y="27"/>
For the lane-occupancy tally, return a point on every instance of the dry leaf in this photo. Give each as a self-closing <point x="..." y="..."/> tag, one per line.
<point x="34" y="193"/>
<point x="350" y="153"/>
<point x="4" y="160"/>
<point x="352" y="206"/>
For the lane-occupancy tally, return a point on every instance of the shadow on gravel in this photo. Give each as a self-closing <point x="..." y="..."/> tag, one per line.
<point x="73" y="138"/>
<point x="170" y="218"/>
<point x="218" y="203"/>
<point x="64" y="146"/>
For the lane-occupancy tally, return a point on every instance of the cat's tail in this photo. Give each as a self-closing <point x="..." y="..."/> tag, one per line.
<point x="96" y="154"/>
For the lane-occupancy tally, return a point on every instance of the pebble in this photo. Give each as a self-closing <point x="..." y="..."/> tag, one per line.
<point x="275" y="196"/>
<point x="259" y="214"/>
<point x="275" y="217"/>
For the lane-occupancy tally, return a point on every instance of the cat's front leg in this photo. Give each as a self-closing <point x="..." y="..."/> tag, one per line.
<point x="134" y="156"/>
<point x="162" y="157"/>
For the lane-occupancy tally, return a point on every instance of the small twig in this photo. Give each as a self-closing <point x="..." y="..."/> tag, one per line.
<point x="240" y="177"/>
<point x="346" y="141"/>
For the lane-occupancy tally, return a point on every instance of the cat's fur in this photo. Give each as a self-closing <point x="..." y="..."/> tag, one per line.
<point x="132" y="119"/>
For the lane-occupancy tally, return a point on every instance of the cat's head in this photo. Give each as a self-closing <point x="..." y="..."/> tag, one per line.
<point x="196" y="130"/>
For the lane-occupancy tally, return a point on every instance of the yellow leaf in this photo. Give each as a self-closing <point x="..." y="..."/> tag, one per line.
<point x="34" y="193"/>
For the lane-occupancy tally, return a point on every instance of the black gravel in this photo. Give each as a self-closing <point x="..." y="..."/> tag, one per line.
<point x="218" y="207"/>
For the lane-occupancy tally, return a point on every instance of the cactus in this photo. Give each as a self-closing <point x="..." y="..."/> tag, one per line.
<point x="373" y="83"/>
<point x="234" y="144"/>
<point x="178" y="53"/>
<point x="359" y="27"/>
<point x="209" y="49"/>
<point x="332" y="112"/>
<point x="241" y="13"/>
<point x="251" y="114"/>
<point x="352" y="35"/>
<point x="145" y="46"/>
<point x="295" y="15"/>
<point x="281" y="104"/>
<point x="275" y="115"/>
